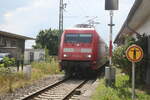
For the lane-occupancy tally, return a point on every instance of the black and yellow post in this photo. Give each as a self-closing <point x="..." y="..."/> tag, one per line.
<point x="134" y="53"/>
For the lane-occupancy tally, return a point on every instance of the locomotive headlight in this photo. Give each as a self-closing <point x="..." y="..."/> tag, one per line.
<point x="89" y="55"/>
<point x="65" y="55"/>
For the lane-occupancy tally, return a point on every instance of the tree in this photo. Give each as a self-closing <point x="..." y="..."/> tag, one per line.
<point x="120" y="60"/>
<point x="119" y="57"/>
<point x="48" y="39"/>
<point x="141" y="67"/>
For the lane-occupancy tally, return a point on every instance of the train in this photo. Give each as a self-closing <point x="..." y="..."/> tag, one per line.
<point x="81" y="52"/>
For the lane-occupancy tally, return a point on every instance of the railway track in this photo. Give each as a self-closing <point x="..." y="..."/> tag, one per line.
<point x="62" y="90"/>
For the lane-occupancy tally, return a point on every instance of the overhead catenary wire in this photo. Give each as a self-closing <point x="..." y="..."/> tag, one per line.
<point x="82" y="8"/>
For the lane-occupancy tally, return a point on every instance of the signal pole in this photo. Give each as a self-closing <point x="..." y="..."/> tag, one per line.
<point x="110" y="37"/>
<point x="110" y="5"/>
<point x="60" y="18"/>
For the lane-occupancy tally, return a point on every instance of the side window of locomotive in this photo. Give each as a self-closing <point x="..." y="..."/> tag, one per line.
<point x="85" y="38"/>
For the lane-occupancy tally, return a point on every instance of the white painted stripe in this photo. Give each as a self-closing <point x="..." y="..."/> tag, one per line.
<point x="68" y="50"/>
<point x="83" y="50"/>
<point x="86" y="50"/>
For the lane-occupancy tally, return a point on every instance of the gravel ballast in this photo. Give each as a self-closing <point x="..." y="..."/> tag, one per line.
<point x="21" y="92"/>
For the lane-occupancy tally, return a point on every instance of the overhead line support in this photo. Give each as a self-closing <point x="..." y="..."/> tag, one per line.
<point x="60" y="18"/>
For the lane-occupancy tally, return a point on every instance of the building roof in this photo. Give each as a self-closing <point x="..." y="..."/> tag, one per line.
<point x="138" y="14"/>
<point x="8" y="34"/>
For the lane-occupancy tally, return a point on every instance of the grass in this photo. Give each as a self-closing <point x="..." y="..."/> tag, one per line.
<point x="10" y="81"/>
<point x="121" y="90"/>
<point x="44" y="68"/>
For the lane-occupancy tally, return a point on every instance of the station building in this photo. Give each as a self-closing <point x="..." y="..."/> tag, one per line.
<point x="13" y="44"/>
<point x="36" y="55"/>
<point x="137" y="22"/>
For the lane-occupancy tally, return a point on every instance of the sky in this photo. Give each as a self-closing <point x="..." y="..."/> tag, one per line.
<point x="28" y="17"/>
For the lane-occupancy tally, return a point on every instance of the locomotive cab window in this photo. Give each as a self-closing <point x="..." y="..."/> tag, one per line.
<point x="78" y="38"/>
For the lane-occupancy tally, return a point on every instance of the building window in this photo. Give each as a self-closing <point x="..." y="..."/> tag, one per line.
<point x="2" y="41"/>
<point x="13" y="43"/>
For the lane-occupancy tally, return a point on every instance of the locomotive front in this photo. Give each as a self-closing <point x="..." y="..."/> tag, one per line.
<point x="78" y="51"/>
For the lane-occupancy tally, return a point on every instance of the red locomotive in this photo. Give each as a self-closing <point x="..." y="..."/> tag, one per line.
<point x="81" y="51"/>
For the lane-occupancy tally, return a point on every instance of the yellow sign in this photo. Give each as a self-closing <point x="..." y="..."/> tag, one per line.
<point x="134" y="53"/>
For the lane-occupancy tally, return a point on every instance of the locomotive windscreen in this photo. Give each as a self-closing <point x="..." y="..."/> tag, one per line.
<point x="78" y="38"/>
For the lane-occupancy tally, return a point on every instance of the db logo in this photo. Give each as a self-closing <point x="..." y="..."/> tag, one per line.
<point x="77" y="50"/>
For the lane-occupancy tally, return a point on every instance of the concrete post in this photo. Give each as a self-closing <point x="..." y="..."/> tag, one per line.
<point x="110" y="76"/>
<point x="27" y="72"/>
<point x="17" y="64"/>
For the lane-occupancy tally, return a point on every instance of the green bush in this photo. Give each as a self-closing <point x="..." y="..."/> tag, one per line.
<point x="1" y="65"/>
<point x="8" y="61"/>
<point x="119" y="57"/>
<point x="121" y="91"/>
<point x="141" y="67"/>
<point x="120" y="60"/>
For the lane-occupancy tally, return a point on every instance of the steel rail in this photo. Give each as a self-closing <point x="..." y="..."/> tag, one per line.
<point x="38" y="92"/>
<point x="69" y="95"/>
